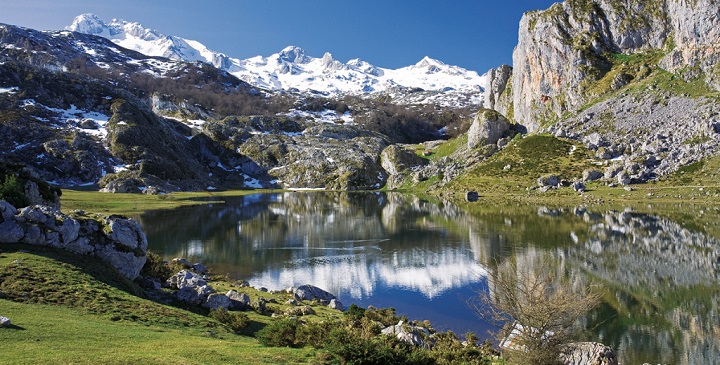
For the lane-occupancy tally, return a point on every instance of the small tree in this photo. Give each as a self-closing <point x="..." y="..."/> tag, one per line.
<point x="13" y="192"/>
<point x="535" y="302"/>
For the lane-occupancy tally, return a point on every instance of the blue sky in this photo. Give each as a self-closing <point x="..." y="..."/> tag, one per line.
<point x="474" y="34"/>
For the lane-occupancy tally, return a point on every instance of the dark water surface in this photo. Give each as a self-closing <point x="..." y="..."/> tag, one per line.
<point x="660" y="281"/>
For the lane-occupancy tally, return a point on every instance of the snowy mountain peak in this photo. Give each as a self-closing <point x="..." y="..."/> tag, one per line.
<point x="87" y="23"/>
<point x="293" y="54"/>
<point x="428" y="62"/>
<point x="292" y="68"/>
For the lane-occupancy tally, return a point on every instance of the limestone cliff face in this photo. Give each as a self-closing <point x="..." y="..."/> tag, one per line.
<point x="564" y="48"/>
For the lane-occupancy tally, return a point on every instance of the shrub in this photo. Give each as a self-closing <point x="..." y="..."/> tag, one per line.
<point x="282" y="333"/>
<point x="155" y="267"/>
<point x="236" y="321"/>
<point x="12" y="191"/>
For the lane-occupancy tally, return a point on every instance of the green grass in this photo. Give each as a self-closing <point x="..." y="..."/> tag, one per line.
<point x="47" y="334"/>
<point x="69" y="308"/>
<point x="131" y="204"/>
<point x="445" y="149"/>
<point x="529" y="158"/>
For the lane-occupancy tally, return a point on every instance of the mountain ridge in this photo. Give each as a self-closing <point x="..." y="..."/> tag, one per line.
<point x="291" y="68"/>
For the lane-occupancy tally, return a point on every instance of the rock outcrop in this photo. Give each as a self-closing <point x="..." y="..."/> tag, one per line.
<point x="116" y="240"/>
<point x="588" y="353"/>
<point x="487" y="128"/>
<point x="563" y="49"/>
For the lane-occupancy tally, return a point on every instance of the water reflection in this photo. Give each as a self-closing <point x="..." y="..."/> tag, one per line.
<point x="661" y="281"/>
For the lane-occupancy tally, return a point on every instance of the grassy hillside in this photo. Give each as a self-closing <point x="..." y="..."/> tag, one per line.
<point x="67" y="308"/>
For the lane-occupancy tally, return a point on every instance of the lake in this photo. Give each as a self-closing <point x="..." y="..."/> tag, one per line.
<point x="660" y="280"/>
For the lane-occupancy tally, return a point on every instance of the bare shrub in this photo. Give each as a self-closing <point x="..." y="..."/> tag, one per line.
<point x="539" y="303"/>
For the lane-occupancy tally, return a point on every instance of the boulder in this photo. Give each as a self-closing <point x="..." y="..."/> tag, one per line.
<point x="588" y="353"/>
<point x="578" y="186"/>
<point x="260" y="305"/>
<point x="305" y="310"/>
<point x="127" y="263"/>
<point x="185" y="279"/>
<point x="199" y="268"/>
<point x="33" y="214"/>
<point x="336" y="304"/>
<point x="10" y="232"/>
<point x="216" y="301"/>
<point x="592" y="175"/>
<point x="238" y="301"/>
<point x="472" y="196"/>
<point x="310" y="292"/>
<point x="409" y="334"/>
<point x="126" y="232"/>
<point x="5" y="322"/>
<point x="7" y="210"/>
<point x="551" y="181"/>
<point x="487" y="128"/>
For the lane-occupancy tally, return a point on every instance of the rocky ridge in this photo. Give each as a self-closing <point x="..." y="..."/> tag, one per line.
<point x="117" y="241"/>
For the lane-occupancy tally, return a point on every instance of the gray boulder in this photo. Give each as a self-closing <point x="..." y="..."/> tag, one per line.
<point x="472" y="196"/>
<point x="548" y="181"/>
<point x="336" y="304"/>
<point x="238" y="301"/>
<point x="260" y="305"/>
<point x="409" y="334"/>
<point x="5" y="322"/>
<point x="126" y="232"/>
<point x="185" y="279"/>
<point x="487" y="128"/>
<point x="310" y="292"/>
<point x="118" y="241"/>
<point x="578" y="186"/>
<point x="10" y="232"/>
<point x="592" y="175"/>
<point x="216" y="301"/>
<point x="588" y="353"/>
<point x="195" y="295"/>
<point x="7" y="210"/>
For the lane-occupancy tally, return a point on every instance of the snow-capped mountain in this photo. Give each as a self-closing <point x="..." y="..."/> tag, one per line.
<point x="292" y="68"/>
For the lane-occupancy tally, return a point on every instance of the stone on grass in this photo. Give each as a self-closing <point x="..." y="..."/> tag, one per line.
<point x="216" y="301"/>
<point x="5" y="322"/>
<point x="238" y="301"/>
<point x="310" y="292"/>
<point x="336" y="304"/>
<point x="406" y="333"/>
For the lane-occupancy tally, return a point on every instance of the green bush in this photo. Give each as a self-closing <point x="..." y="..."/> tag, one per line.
<point x="282" y="333"/>
<point x="155" y="267"/>
<point x="12" y="191"/>
<point x="347" y="347"/>
<point x="236" y="321"/>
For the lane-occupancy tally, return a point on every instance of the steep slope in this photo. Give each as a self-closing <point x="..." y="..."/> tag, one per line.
<point x="562" y="51"/>
<point x="293" y="69"/>
<point x="636" y="82"/>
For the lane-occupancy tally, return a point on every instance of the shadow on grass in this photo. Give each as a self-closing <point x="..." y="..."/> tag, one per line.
<point x="12" y="327"/>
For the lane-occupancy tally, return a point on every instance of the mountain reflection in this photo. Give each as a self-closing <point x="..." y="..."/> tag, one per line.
<point x="660" y="280"/>
<point x="349" y="244"/>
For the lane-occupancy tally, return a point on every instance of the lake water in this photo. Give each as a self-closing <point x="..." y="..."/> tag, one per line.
<point x="660" y="281"/>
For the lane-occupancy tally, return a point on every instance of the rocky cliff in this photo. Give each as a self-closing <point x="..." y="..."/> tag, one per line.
<point x="565" y="49"/>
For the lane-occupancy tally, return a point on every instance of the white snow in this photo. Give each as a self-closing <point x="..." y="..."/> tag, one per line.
<point x="292" y="68"/>
<point x="8" y="90"/>
<point x="251" y="182"/>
